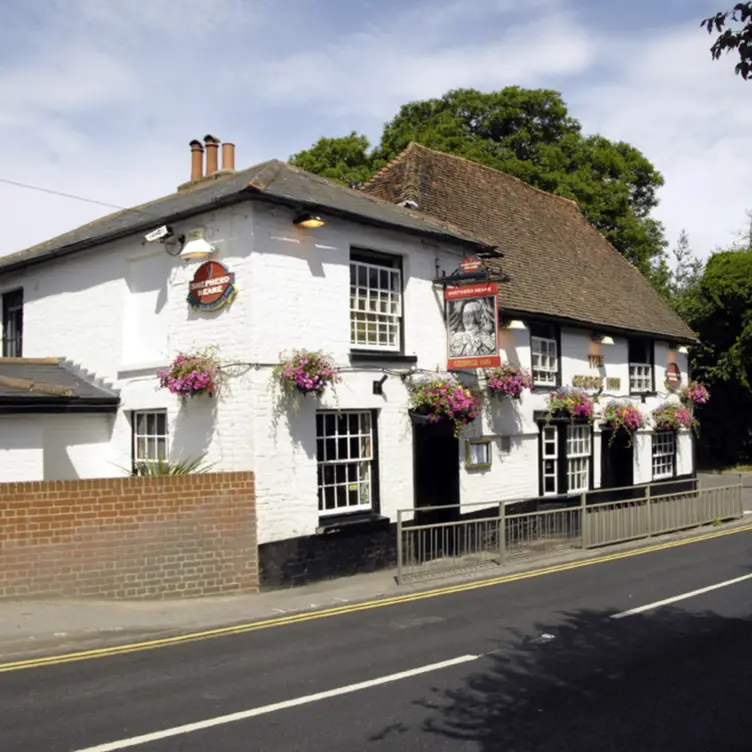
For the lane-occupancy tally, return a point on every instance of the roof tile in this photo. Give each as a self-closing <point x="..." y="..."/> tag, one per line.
<point x="559" y="265"/>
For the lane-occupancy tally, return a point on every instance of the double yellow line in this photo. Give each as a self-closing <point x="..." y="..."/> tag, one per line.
<point x="55" y="660"/>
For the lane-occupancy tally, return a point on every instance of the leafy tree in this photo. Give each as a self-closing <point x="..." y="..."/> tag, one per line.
<point x="718" y="305"/>
<point x="527" y="133"/>
<point x="346" y="159"/>
<point x="730" y="39"/>
<point x="684" y="280"/>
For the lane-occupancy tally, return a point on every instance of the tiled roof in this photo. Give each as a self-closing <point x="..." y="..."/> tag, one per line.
<point x="35" y="380"/>
<point x="559" y="265"/>
<point x="272" y="181"/>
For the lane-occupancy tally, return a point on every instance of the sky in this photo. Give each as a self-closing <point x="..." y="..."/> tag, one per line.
<point x="100" y="99"/>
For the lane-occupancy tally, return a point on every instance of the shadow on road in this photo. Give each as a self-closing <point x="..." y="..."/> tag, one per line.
<point x="667" y="680"/>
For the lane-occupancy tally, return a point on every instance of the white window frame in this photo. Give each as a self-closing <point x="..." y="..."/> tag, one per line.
<point x="550" y="441"/>
<point x="545" y="361"/>
<point x="375" y="311"/>
<point x="664" y="451"/>
<point x="579" y="453"/>
<point x="150" y="440"/>
<point x="338" y="468"/>
<point x="640" y="378"/>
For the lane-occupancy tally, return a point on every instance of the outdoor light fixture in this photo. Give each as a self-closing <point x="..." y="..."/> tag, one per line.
<point x="378" y="386"/>
<point x="310" y="221"/>
<point x="684" y="350"/>
<point x="196" y="246"/>
<point x="516" y="325"/>
<point x="606" y="340"/>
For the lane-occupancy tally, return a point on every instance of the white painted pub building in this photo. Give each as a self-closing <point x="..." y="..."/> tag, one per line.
<point x="275" y="260"/>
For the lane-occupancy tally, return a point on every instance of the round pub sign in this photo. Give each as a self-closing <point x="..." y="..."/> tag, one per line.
<point x="212" y="286"/>
<point x="471" y="264"/>
<point x="673" y="376"/>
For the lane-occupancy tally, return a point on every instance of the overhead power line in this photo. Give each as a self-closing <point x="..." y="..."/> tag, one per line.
<point x="63" y="195"/>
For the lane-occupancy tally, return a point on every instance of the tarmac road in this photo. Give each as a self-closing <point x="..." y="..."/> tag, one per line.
<point x="536" y="664"/>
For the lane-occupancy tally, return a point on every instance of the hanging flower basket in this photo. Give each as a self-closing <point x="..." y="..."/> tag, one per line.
<point x="442" y="398"/>
<point x="623" y="417"/>
<point x="694" y="394"/>
<point x="672" y="417"/>
<point x="571" y="403"/>
<point x="508" y="381"/>
<point x="192" y="375"/>
<point x="307" y="373"/>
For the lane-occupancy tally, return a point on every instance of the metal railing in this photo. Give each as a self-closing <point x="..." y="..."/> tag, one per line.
<point x="490" y="535"/>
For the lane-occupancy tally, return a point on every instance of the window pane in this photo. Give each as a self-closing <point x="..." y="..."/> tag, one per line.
<point x="345" y="467"/>
<point x="375" y="310"/>
<point x="478" y="453"/>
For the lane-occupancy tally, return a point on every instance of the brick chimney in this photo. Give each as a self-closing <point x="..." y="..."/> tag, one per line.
<point x="197" y="160"/>
<point x="213" y="172"/>
<point x="228" y="157"/>
<point x="212" y="154"/>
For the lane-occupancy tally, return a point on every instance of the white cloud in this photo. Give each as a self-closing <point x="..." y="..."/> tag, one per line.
<point x="691" y="117"/>
<point x="369" y="75"/>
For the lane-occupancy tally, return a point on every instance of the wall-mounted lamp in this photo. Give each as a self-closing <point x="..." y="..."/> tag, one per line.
<point x="378" y="386"/>
<point x="311" y="221"/>
<point x="196" y="246"/>
<point x="603" y="339"/>
<point x="514" y="324"/>
<point x="683" y="350"/>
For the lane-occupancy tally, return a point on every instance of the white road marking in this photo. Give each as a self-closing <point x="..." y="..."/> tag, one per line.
<point x="683" y="596"/>
<point x="189" y="728"/>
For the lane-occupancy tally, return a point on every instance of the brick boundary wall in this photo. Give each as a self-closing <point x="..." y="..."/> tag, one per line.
<point x="151" y="537"/>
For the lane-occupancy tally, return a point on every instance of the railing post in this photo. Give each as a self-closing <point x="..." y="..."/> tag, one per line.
<point x="584" y="532"/>
<point x="399" y="547"/>
<point x="502" y="532"/>
<point x="649" y="511"/>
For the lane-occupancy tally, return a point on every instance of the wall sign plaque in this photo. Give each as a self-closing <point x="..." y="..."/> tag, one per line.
<point x="588" y="382"/>
<point x="212" y="287"/>
<point x="596" y="361"/>
<point x="673" y="376"/>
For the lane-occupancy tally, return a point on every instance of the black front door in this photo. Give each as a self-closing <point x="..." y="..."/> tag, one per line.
<point x="436" y="468"/>
<point x="617" y="459"/>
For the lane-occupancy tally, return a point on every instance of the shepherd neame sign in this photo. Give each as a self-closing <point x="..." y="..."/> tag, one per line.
<point x="212" y="287"/>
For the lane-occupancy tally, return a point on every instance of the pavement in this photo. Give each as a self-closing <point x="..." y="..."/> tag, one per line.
<point x="31" y="628"/>
<point x="644" y="652"/>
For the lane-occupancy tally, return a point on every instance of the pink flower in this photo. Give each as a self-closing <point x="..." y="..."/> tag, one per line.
<point x="695" y="393"/>
<point x="309" y="373"/>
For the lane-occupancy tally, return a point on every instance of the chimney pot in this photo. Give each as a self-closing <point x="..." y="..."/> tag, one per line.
<point x="212" y="154"/>
<point x="197" y="160"/>
<point x="228" y="156"/>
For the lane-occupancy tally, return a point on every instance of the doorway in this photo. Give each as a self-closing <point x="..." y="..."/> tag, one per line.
<point x="436" y="472"/>
<point x="617" y="459"/>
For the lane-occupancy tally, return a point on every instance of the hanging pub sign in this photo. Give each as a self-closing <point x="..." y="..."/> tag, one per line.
<point x="673" y="376"/>
<point x="212" y="287"/>
<point x="472" y="321"/>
